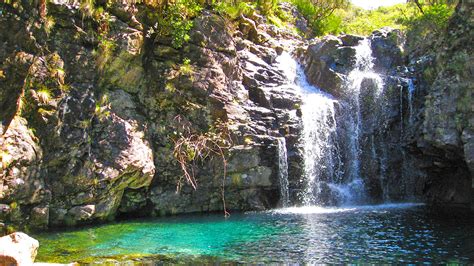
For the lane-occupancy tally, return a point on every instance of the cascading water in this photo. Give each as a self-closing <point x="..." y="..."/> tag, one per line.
<point x="283" y="171"/>
<point x="360" y="78"/>
<point x="332" y="172"/>
<point x="321" y="155"/>
<point x="411" y="92"/>
<point x="322" y="161"/>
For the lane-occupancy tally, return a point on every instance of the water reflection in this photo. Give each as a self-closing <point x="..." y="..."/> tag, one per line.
<point x="394" y="233"/>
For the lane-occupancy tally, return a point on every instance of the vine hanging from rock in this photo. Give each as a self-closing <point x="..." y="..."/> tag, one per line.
<point x="191" y="148"/>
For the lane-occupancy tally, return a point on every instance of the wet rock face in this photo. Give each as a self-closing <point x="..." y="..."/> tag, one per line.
<point x="387" y="49"/>
<point x="329" y="60"/>
<point x="236" y="78"/>
<point x="322" y="61"/>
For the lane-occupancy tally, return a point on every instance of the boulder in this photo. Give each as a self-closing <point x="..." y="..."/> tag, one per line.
<point x="212" y="32"/>
<point x="387" y="49"/>
<point x="249" y="29"/>
<point x="350" y="40"/>
<point x="120" y="157"/>
<point x="18" y="249"/>
<point x="320" y="65"/>
<point x="20" y="158"/>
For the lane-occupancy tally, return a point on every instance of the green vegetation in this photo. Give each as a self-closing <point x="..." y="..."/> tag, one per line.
<point x="363" y="22"/>
<point x="338" y="17"/>
<point x="430" y="19"/>
<point x="174" y="21"/>
<point x="268" y="8"/>
<point x="186" y="68"/>
<point x="192" y="148"/>
<point x="235" y="10"/>
<point x="102" y="107"/>
<point x="320" y="14"/>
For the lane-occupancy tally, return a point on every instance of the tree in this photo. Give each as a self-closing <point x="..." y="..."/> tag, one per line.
<point x="420" y="4"/>
<point x="326" y="8"/>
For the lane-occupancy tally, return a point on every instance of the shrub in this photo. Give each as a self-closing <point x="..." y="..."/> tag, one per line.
<point x="433" y="17"/>
<point x="175" y="21"/>
<point x="320" y="14"/>
<point x="364" y="22"/>
<point x="235" y="10"/>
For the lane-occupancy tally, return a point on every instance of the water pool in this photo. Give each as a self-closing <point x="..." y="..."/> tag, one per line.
<point x="391" y="233"/>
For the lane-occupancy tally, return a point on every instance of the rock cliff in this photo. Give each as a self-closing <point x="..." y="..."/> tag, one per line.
<point x="442" y="142"/>
<point x="92" y="107"/>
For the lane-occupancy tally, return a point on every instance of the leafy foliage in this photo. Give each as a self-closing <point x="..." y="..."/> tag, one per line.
<point x="186" y="68"/>
<point x="175" y="20"/>
<point x="418" y="16"/>
<point x="364" y="22"/>
<point x="320" y="14"/>
<point x="433" y="17"/>
<point x="268" y="8"/>
<point x="428" y="22"/>
<point x="235" y="10"/>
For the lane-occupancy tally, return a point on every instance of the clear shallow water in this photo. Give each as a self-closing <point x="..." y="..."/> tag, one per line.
<point x="394" y="233"/>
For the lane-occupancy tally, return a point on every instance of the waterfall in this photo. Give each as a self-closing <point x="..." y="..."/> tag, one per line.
<point x="283" y="171"/>
<point x="401" y="112"/>
<point x="322" y="161"/>
<point x="411" y="91"/>
<point x="362" y="72"/>
<point x="321" y="156"/>
<point x="361" y="78"/>
<point x="333" y="131"/>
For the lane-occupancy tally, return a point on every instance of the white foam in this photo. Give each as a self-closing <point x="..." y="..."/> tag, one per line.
<point x="324" y="210"/>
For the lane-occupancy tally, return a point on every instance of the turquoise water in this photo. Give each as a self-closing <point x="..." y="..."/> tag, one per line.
<point x="403" y="233"/>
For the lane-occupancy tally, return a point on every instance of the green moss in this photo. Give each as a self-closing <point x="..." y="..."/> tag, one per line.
<point x="458" y="62"/>
<point x="234" y="10"/>
<point x="105" y="51"/>
<point x="276" y="21"/>
<point x="464" y="104"/>
<point x="236" y="179"/>
<point x="11" y="229"/>
<point x="429" y="74"/>
<point x="14" y="205"/>
<point x="186" y="68"/>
